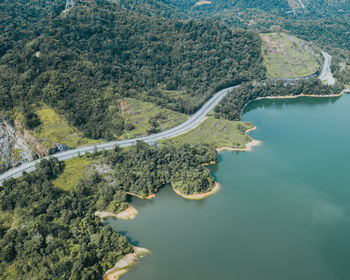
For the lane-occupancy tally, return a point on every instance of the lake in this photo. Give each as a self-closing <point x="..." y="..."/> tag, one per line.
<point x="282" y="211"/>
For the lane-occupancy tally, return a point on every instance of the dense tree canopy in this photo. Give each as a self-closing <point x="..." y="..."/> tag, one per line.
<point x="55" y="234"/>
<point x="143" y="168"/>
<point x="84" y="60"/>
<point x="234" y="103"/>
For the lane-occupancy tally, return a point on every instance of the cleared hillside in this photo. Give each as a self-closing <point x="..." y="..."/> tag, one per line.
<point x="287" y="57"/>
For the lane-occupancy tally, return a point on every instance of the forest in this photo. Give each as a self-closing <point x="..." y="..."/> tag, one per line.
<point x="54" y="234"/>
<point x="324" y="23"/>
<point x="143" y="168"/>
<point x="83" y="61"/>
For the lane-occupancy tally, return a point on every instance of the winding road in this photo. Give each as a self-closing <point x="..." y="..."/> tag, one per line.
<point x="186" y="126"/>
<point x="326" y="73"/>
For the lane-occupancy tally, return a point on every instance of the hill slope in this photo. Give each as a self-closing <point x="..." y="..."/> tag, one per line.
<point x="83" y="61"/>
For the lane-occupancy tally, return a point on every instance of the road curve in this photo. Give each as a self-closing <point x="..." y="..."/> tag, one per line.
<point x="189" y="124"/>
<point x="326" y="73"/>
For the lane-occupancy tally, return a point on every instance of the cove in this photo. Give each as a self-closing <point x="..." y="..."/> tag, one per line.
<point x="282" y="211"/>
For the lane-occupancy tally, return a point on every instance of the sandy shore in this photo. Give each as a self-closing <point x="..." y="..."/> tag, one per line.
<point x="248" y="147"/>
<point x="153" y="195"/>
<point x="250" y="129"/>
<point x="198" y="196"/>
<point x="128" y="214"/>
<point x="300" y="95"/>
<point x="123" y="265"/>
<point x="209" y="163"/>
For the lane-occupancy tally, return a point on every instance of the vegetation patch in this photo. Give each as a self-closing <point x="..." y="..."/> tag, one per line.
<point x="142" y="118"/>
<point x="74" y="171"/>
<point x="142" y="169"/>
<point x="235" y="102"/>
<point x="16" y="153"/>
<point x="55" y="234"/>
<point x="81" y="78"/>
<point x="54" y="129"/>
<point x="216" y="132"/>
<point x="287" y="57"/>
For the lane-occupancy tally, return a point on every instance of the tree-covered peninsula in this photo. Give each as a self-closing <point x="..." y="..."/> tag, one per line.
<point x="50" y="233"/>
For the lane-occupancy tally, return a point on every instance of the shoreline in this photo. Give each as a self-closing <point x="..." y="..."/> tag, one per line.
<point x="301" y="95"/>
<point x="293" y="97"/>
<point x="125" y="263"/>
<point x="250" y="129"/>
<point x="209" y="163"/>
<point x="254" y="142"/>
<point x="129" y="213"/>
<point x="198" y="196"/>
<point x="150" y="196"/>
<point x="248" y="147"/>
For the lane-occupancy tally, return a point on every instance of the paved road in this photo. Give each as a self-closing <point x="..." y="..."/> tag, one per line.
<point x="189" y="124"/>
<point x="301" y="4"/>
<point x="326" y="73"/>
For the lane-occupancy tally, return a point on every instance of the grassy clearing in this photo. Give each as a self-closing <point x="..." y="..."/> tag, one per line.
<point x="74" y="171"/>
<point x="141" y="115"/>
<point x="55" y="129"/>
<point x="286" y="56"/>
<point x="216" y="132"/>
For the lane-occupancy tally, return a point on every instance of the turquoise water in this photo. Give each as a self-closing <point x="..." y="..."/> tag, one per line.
<point x="282" y="212"/>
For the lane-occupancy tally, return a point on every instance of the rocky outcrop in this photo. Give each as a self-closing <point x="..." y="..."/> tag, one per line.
<point x="36" y="146"/>
<point x="14" y="150"/>
<point x="18" y="146"/>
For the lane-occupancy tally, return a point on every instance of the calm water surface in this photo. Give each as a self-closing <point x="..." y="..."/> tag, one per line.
<point x="283" y="210"/>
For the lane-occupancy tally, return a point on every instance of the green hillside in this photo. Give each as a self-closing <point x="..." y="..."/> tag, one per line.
<point x="286" y="56"/>
<point x="82" y="60"/>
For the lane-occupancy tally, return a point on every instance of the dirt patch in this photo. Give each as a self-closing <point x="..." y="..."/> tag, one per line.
<point x="273" y="46"/>
<point x="124" y="108"/>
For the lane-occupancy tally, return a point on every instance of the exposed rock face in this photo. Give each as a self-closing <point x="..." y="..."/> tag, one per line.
<point x="18" y="146"/>
<point x="13" y="149"/>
